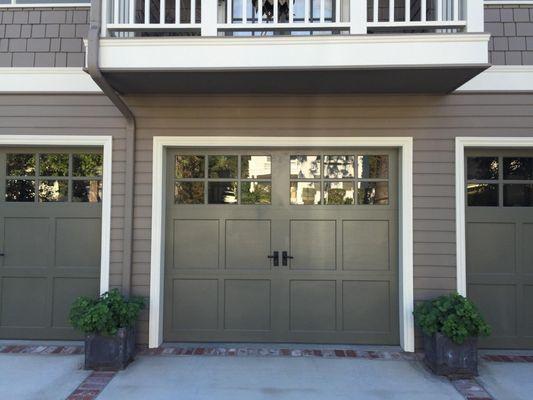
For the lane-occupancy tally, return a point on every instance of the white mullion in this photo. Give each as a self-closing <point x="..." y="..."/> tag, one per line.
<point x="375" y="17"/>
<point x="338" y="11"/>
<point x="193" y="11"/>
<point x="178" y="12"/>
<point x="322" y="10"/>
<point x="407" y="10"/>
<point x="423" y="10"/>
<point x="275" y="11"/>
<point x="131" y="17"/>
<point x="439" y="10"/>
<point x="229" y="11"/>
<point x="306" y="11"/>
<point x="244" y="11"/>
<point x="455" y="10"/>
<point x="162" y="9"/>
<point x="391" y="10"/>
<point x="115" y="11"/>
<point x="291" y="12"/>
<point x="259" y="11"/>
<point x="146" y="11"/>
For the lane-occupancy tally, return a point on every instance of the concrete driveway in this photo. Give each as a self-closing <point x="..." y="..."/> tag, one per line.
<point x="254" y="378"/>
<point x="507" y="381"/>
<point x="39" y="377"/>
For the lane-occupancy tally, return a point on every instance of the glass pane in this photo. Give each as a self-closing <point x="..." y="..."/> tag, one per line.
<point x="53" y="190"/>
<point x="304" y="167"/>
<point x="339" y="193"/>
<point x="375" y="193"/>
<point x="53" y="165"/>
<point x="339" y="167"/>
<point x="20" y="165"/>
<point x="256" y="167"/>
<point x="518" y="168"/>
<point x="482" y="167"/>
<point x="255" y="192"/>
<point x="222" y="166"/>
<point x="87" y="191"/>
<point x="87" y="164"/>
<point x="190" y="167"/>
<point x="222" y="192"/>
<point x="307" y="193"/>
<point x="373" y="167"/>
<point x="482" y="194"/>
<point x="517" y="195"/>
<point x="20" y="190"/>
<point x="189" y="193"/>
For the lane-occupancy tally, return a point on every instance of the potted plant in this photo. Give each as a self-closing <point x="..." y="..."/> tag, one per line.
<point x="451" y="325"/>
<point x="108" y="323"/>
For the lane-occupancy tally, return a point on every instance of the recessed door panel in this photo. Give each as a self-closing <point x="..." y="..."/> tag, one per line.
<point x="248" y="244"/>
<point x="313" y="245"/>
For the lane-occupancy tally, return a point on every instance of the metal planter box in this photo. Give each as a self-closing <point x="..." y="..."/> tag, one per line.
<point x="110" y="353"/>
<point x="447" y="358"/>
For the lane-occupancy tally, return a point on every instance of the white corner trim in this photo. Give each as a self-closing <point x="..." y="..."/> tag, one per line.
<point x="74" y="140"/>
<point x="405" y="144"/>
<point x="46" y="80"/>
<point x="501" y="78"/>
<point x="460" y="202"/>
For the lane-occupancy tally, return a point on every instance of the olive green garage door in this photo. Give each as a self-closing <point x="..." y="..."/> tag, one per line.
<point x="50" y="218"/>
<point x="499" y="243"/>
<point x="282" y="246"/>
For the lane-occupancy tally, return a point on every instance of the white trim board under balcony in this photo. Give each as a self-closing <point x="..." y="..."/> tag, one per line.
<point x="501" y="78"/>
<point x="312" y="52"/>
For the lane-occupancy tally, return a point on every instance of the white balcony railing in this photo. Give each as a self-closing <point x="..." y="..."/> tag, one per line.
<point x="287" y="17"/>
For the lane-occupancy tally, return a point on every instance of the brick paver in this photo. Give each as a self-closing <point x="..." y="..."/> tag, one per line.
<point x="470" y="389"/>
<point x="92" y="386"/>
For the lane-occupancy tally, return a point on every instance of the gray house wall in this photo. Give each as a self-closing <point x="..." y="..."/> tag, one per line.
<point x="43" y="37"/>
<point x="433" y="121"/>
<point x="511" y="27"/>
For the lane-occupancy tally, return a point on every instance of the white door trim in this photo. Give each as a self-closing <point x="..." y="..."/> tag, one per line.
<point x="405" y="144"/>
<point x="76" y="140"/>
<point x="460" y="201"/>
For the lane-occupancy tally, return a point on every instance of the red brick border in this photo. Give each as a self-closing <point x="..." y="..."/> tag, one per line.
<point x="507" y="358"/>
<point x="92" y="386"/>
<point x="470" y="389"/>
<point x="41" y="349"/>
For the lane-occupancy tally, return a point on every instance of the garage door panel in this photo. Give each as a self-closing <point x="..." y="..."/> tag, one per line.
<point x="366" y="306"/>
<point x="491" y="247"/>
<point x="527" y="241"/>
<point x="78" y="242"/>
<point x="195" y="304"/>
<point x="66" y="290"/>
<point x="313" y="245"/>
<point x="248" y="244"/>
<point x="497" y="303"/>
<point x="313" y="305"/>
<point x="21" y="235"/>
<point x="247" y="304"/>
<point x="365" y="245"/>
<point x="196" y="244"/>
<point x="24" y="302"/>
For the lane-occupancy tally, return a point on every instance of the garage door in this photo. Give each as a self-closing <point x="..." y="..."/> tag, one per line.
<point x="499" y="243"/>
<point x="50" y="238"/>
<point x="282" y="246"/>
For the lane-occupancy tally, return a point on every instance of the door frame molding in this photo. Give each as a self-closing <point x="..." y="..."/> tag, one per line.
<point x="404" y="144"/>
<point x="461" y="143"/>
<point x="106" y="142"/>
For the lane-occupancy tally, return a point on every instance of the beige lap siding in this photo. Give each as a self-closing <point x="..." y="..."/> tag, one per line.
<point x="433" y="121"/>
<point x="75" y="115"/>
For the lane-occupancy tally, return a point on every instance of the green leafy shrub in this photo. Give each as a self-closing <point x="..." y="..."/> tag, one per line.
<point x="453" y="315"/>
<point x="106" y="314"/>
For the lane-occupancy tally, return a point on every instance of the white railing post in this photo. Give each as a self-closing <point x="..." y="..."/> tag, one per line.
<point x="474" y="16"/>
<point x="209" y="17"/>
<point x="358" y="17"/>
<point x="103" y="11"/>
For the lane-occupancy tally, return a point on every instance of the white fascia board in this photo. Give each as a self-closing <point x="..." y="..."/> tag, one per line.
<point x="47" y="5"/>
<point x="46" y="80"/>
<point x="312" y="52"/>
<point x="504" y="78"/>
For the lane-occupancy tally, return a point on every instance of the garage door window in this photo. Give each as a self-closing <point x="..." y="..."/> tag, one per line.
<point x="500" y="181"/>
<point x="331" y="179"/>
<point x="53" y="177"/>
<point x="223" y="179"/>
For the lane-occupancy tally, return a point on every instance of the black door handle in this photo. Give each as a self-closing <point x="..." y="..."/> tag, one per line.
<point x="275" y="257"/>
<point x="284" y="257"/>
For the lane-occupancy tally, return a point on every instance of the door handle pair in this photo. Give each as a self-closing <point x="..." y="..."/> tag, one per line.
<point x="284" y="258"/>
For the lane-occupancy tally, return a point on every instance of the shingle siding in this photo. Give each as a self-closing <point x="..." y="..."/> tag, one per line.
<point x="511" y="27"/>
<point x="43" y="37"/>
